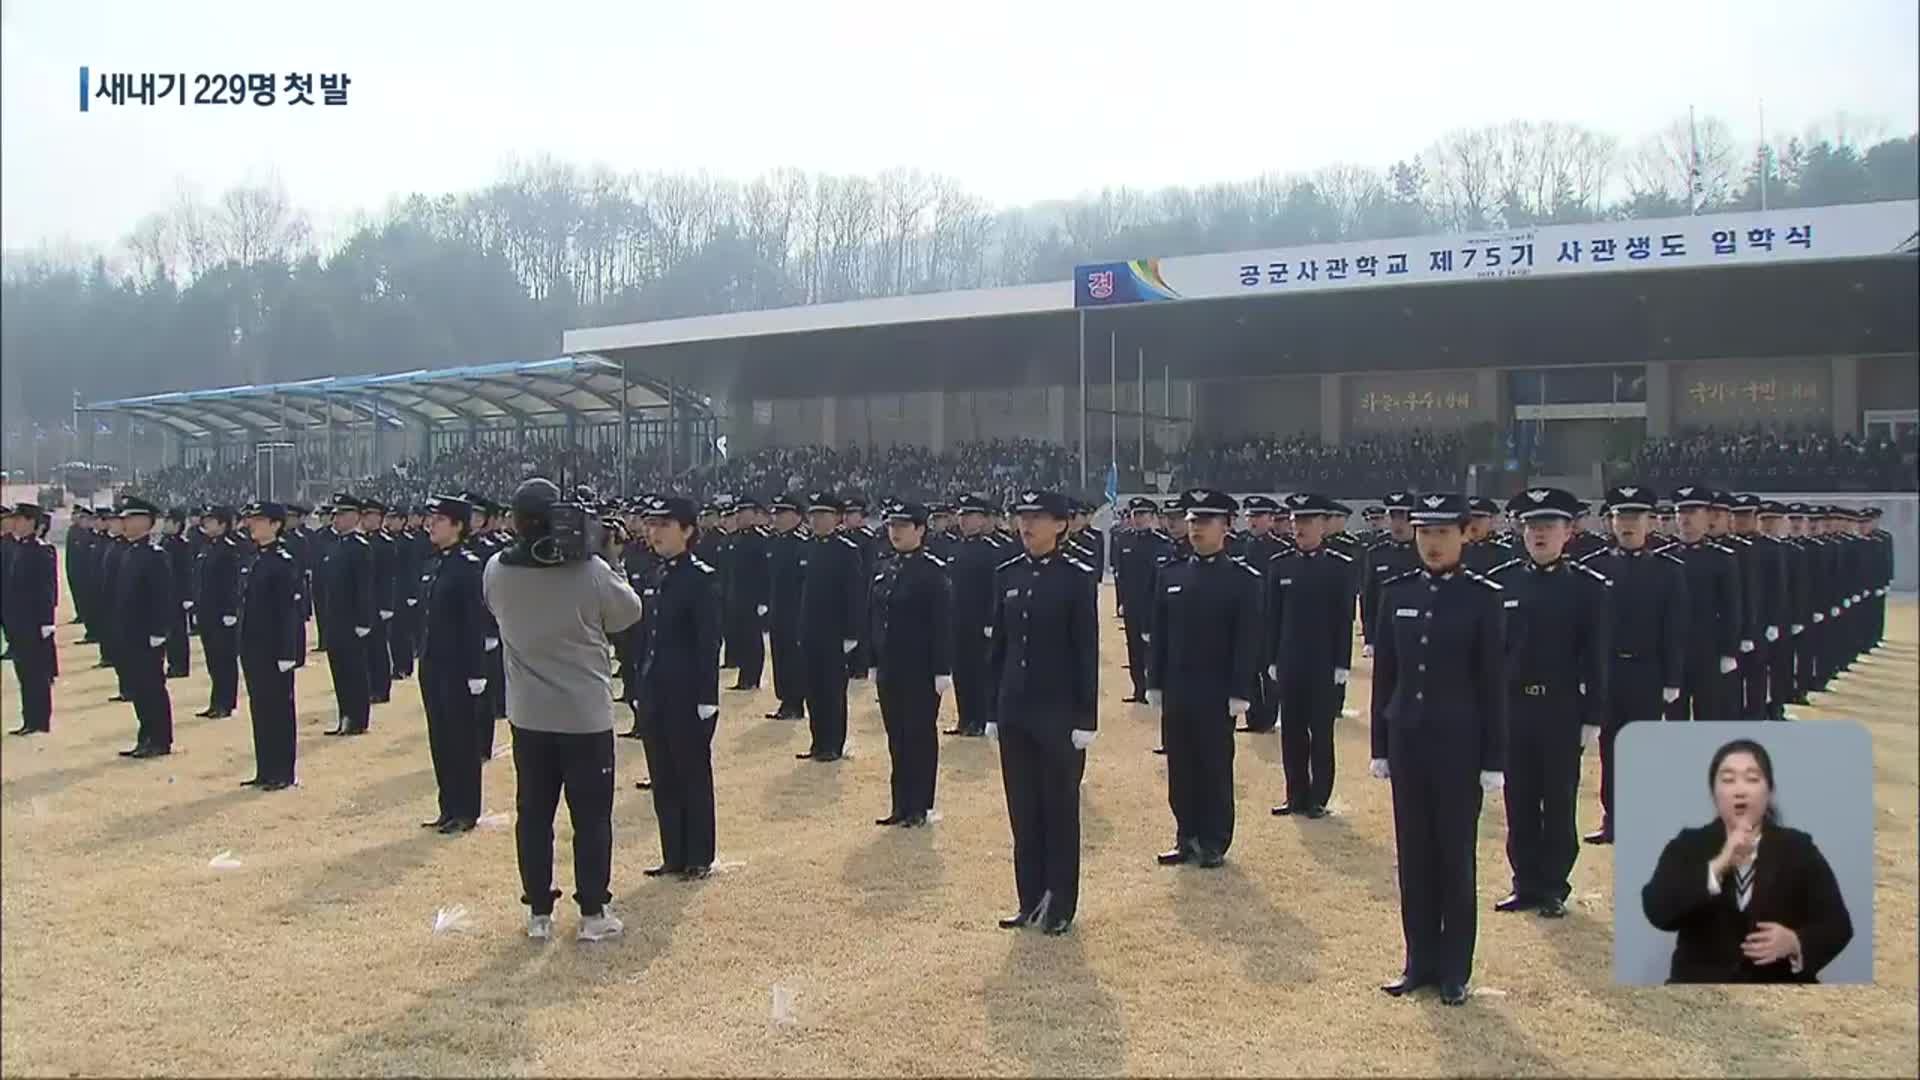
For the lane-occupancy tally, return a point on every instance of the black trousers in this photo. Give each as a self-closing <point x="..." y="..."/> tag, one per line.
<point x="496" y="694"/>
<point x="221" y="645"/>
<point x="1041" y="772"/>
<point x="270" y="709"/>
<point x="1308" y="707"/>
<point x="144" y="679"/>
<point x="747" y="644"/>
<point x="1779" y="675"/>
<point x="347" y="661"/>
<point x="973" y="690"/>
<point x="1633" y="697"/>
<point x="1811" y="664"/>
<point x="453" y="718"/>
<point x="1265" y="714"/>
<point x="1136" y="631"/>
<point x="403" y="636"/>
<point x="1754" y="680"/>
<point x="826" y="690"/>
<point x="679" y="748"/>
<point x="1543" y="786"/>
<point x="789" y="668"/>
<point x="1436" y="813"/>
<point x="1199" y="742"/>
<point x="379" y="645"/>
<point x="322" y="625"/>
<point x="550" y="765"/>
<point x="1703" y="691"/>
<point x="910" y="710"/>
<point x="179" y="655"/>
<point x="33" y="660"/>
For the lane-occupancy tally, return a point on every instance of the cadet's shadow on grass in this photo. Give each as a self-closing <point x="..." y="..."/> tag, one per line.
<point x="1046" y="1008"/>
<point x="1227" y="906"/>
<point x="967" y="757"/>
<point x="477" y="1025"/>
<point x="1694" y="1014"/>
<point x="1480" y="1039"/>
<point x="1264" y="745"/>
<point x="388" y="794"/>
<point x="366" y="871"/>
<point x="810" y="786"/>
<point x="895" y="870"/>
<point x="1335" y="845"/>
<point x="760" y="736"/>
<point x="1096" y="829"/>
<point x="164" y="823"/>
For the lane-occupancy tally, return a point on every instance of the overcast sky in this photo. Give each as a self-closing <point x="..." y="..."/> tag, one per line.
<point x="1022" y="102"/>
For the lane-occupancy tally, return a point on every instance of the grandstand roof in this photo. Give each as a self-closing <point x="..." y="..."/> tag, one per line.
<point x="539" y="391"/>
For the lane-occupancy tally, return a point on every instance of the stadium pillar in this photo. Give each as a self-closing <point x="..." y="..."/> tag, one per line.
<point x="625" y="491"/>
<point x="1331" y="416"/>
<point x="1846" y="395"/>
<point x="829" y="408"/>
<point x="1659" y="399"/>
<point x="937" y="421"/>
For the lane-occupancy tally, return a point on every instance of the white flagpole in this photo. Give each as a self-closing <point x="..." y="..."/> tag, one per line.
<point x="1693" y="164"/>
<point x="1766" y="156"/>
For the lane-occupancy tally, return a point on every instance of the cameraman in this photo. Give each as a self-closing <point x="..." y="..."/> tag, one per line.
<point x="558" y="610"/>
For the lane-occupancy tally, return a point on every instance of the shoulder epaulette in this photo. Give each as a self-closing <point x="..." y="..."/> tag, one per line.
<point x="469" y="555"/>
<point x="935" y="559"/>
<point x="1595" y="574"/>
<point x="1594" y="554"/>
<point x="1401" y="576"/>
<point x="1718" y="546"/>
<point x="285" y="554"/>
<point x="1663" y="553"/>
<point x="1162" y="534"/>
<point x="1482" y="579"/>
<point x="1243" y="564"/>
<point x="847" y="540"/>
<point x="1077" y="564"/>
<point x="1342" y="556"/>
<point x="362" y="537"/>
<point x="1666" y="548"/>
<point x="1010" y="562"/>
<point x="703" y="567"/>
<point x="1502" y="566"/>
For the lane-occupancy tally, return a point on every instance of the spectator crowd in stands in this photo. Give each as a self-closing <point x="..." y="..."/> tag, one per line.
<point x="1419" y="461"/>
<point x="1778" y="461"/>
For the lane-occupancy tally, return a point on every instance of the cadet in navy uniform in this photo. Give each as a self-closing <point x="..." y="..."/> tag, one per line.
<point x="1765" y="597"/>
<point x="913" y="629"/>
<point x="412" y="549"/>
<point x="180" y="555"/>
<point x="29" y="595"/>
<point x="1309" y="613"/>
<point x="832" y="606"/>
<point x="216" y="605"/>
<point x="1088" y="539"/>
<point x="1484" y="550"/>
<point x="869" y="543"/>
<point x="680" y="675"/>
<point x="1141" y="550"/>
<point x="454" y="626"/>
<point x="1391" y="556"/>
<point x="144" y="609"/>
<point x="272" y="641"/>
<point x="1714" y="614"/>
<point x="488" y="541"/>
<point x="1202" y="672"/>
<point x="749" y="594"/>
<point x="970" y="568"/>
<point x="348" y="598"/>
<point x="787" y="550"/>
<point x="1792" y="610"/>
<point x="385" y="563"/>
<point x="1557" y="631"/>
<point x="1440" y="736"/>
<point x="1647" y="639"/>
<point x="1046" y="662"/>
<point x="1259" y="547"/>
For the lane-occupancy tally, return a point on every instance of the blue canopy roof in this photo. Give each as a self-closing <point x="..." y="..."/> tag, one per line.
<point x="534" y="392"/>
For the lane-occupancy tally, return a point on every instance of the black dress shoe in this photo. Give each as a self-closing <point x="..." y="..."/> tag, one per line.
<point x="456" y="826"/>
<point x="1404" y="985"/>
<point x="1552" y="909"/>
<point x="808" y="756"/>
<point x="1212" y="860"/>
<point x="152" y="752"/>
<point x="1161" y="750"/>
<point x="663" y="870"/>
<point x="335" y="731"/>
<point x="220" y="714"/>
<point x="1016" y="920"/>
<point x="913" y="821"/>
<point x="1453" y="994"/>
<point x="826" y="757"/>
<point x="276" y="785"/>
<point x="890" y="819"/>
<point x="255" y="782"/>
<point x="21" y="730"/>
<point x="132" y="752"/>
<point x="378" y="700"/>
<point x="696" y="873"/>
<point x="204" y="713"/>
<point x="1315" y="813"/>
<point x="633" y="734"/>
<point x="1056" y="927"/>
<point x="435" y="823"/>
<point x="777" y="714"/>
<point x="1283" y="810"/>
<point x="954" y="731"/>
<point x="1172" y="858"/>
<point x="1515" y="902"/>
<point x="1134" y="700"/>
<point x="1599" y="836"/>
<point x="643" y="785"/>
<point x="118" y="698"/>
<point x="365" y="730"/>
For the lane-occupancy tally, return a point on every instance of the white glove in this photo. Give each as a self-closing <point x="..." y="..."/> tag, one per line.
<point x="1146" y="637"/>
<point x="1848" y="602"/>
<point x="1819" y="618"/>
<point x="761" y="610"/>
<point x="942" y="684"/>
<point x="707" y="712"/>
<point x="46" y="631"/>
<point x="1339" y="676"/>
<point x="1589" y="735"/>
<point x="1491" y="782"/>
<point x="1728" y="664"/>
<point x="1153" y="697"/>
<point x="1366" y="652"/>
<point x="1746" y="646"/>
<point x="1377" y="768"/>
<point x="1273" y="672"/>
<point x="229" y="620"/>
<point x="1238" y="706"/>
<point x="1773" y="633"/>
<point x="1881" y="591"/>
<point x="492" y="643"/>
<point x="846" y="646"/>
<point x="284" y="665"/>
<point x="1797" y="629"/>
<point x="386" y="615"/>
<point x="1083" y="739"/>
<point x="476" y="687"/>
<point x="187" y="604"/>
<point x="412" y="600"/>
<point x="362" y="631"/>
<point x="993" y="730"/>
<point x="1669" y="694"/>
<point x="156" y="642"/>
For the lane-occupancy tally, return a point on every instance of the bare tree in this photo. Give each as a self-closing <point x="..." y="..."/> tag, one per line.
<point x="257" y="222"/>
<point x="902" y="197"/>
<point x="1700" y="158"/>
<point x="1465" y="167"/>
<point x="154" y="246"/>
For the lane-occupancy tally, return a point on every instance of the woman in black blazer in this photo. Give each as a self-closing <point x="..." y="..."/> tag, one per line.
<point x="1751" y="900"/>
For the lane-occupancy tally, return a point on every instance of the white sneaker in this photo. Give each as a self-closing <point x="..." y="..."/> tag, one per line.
<point x="539" y="927"/>
<point x="601" y="926"/>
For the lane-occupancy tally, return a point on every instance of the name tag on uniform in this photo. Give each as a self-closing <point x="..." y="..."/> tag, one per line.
<point x="1512" y="603"/>
<point x="1407" y="612"/>
<point x="1171" y="589"/>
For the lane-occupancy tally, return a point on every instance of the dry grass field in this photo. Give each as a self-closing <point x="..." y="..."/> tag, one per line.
<point x="126" y="953"/>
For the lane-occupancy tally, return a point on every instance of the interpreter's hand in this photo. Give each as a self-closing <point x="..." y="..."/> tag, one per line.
<point x="1770" y="943"/>
<point x="186" y="605"/>
<point x="1737" y="849"/>
<point x="1797" y="629"/>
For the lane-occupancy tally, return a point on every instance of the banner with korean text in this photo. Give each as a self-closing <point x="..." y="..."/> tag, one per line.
<point x="1743" y="239"/>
